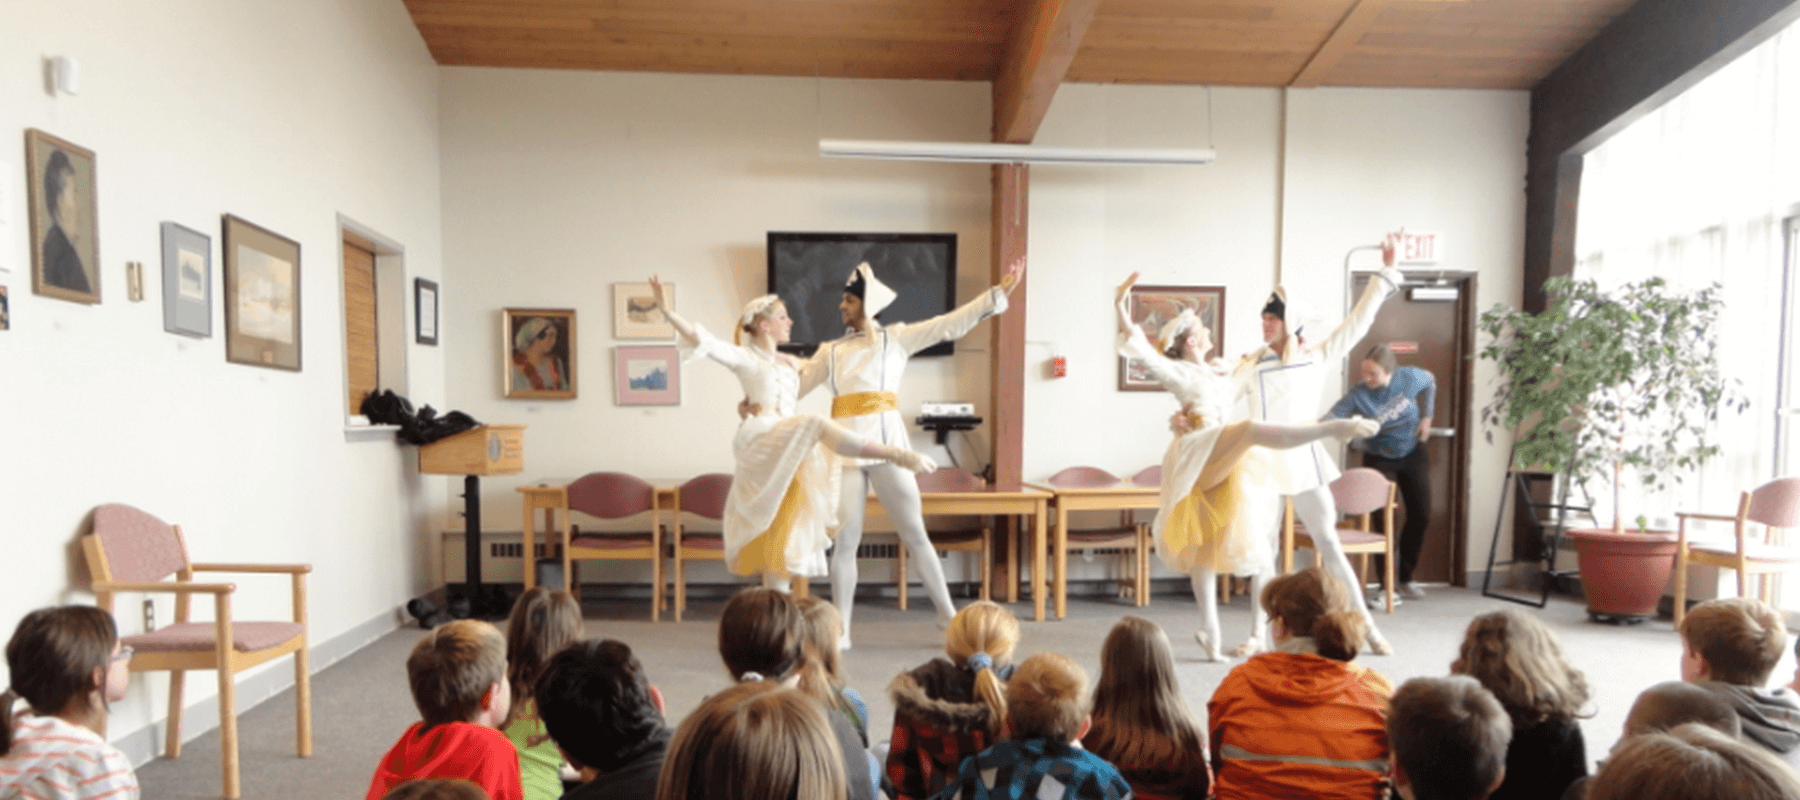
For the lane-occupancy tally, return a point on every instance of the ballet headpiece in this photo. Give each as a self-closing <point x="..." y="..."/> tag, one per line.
<point x="874" y="294"/>
<point x="1173" y="329"/>
<point x="756" y="307"/>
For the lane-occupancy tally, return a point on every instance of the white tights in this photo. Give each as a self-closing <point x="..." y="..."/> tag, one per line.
<point x="1318" y="512"/>
<point x="845" y="442"/>
<point x="898" y="492"/>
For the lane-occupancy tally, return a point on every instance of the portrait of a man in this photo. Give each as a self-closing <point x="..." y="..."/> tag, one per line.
<point x="65" y="250"/>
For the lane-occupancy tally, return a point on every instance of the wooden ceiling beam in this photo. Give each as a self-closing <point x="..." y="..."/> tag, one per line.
<point x="1038" y="56"/>
<point x="1343" y="38"/>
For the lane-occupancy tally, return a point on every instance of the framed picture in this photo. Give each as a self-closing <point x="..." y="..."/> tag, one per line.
<point x="5" y="311"/>
<point x="65" y="240"/>
<point x="540" y="352"/>
<point x="262" y="296"/>
<point x="425" y="311"/>
<point x="186" y="281"/>
<point x="647" y="375"/>
<point x="1151" y="306"/>
<point x="635" y="315"/>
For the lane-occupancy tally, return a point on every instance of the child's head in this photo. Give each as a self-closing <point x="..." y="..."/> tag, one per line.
<point x="1138" y="697"/>
<point x="458" y="674"/>
<point x="597" y="704"/>
<point x="761" y="631"/>
<point x="754" y="741"/>
<point x="1312" y="603"/>
<point x="981" y="639"/>
<point x="1671" y="703"/>
<point x="823" y="627"/>
<point x="436" y="789"/>
<point x="1448" y="737"/>
<point x="1517" y="658"/>
<point x="62" y="661"/>
<point x="1734" y="640"/>
<point x="542" y="622"/>
<point x="1688" y="762"/>
<point x="1047" y="699"/>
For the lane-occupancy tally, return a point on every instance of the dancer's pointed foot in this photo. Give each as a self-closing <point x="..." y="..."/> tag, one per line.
<point x="1378" y="644"/>
<point x="1208" y="650"/>
<point x="1354" y="428"/>
<point x="1250" y="647"/>
<point x="844" y="641"/>
<point x="943" y="621"/>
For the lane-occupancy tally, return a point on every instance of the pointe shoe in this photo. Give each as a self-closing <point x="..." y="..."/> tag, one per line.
<point x="844" y="642"/>
<point x="1250" y="647"/>
<point x="1208" y="650"/>
<point x="1357" y="428"/>
<point x="914" y="460"/>
<point x="1378" y="645"/>
<point x="943" y="622"/>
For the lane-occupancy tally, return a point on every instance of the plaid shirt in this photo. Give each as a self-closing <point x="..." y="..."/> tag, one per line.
<point x="1036" y="768"/>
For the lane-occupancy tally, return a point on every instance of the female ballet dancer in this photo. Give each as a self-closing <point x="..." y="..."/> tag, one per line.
<point x="782" y="509"/>
<point x="1218" y="503"/>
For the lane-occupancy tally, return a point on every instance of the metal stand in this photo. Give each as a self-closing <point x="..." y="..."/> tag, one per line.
<point x="1521" y="483"/>
<point x="485" y="602"/>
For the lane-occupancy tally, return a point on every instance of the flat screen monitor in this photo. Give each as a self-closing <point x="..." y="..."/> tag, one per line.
<point x="809" y="270"/>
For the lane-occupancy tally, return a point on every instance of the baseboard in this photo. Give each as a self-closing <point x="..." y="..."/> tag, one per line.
<point x="144" y="744"/>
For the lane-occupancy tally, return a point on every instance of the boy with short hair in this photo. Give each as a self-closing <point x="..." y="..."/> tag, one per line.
<point x="1447" y="738"/>
<point x="1728" y="647"/>
<point x="458" y="678"/>
<point x="1046" y="716"/>
<point x="606" y="718"/>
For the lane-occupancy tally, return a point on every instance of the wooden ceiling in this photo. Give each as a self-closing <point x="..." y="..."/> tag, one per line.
<point x="1467" y="44"/>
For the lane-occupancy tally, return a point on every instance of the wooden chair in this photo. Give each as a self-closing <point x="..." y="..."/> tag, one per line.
<point x="1128" y="535"/>
<point x="614" y="495"/>
<point x="1359" y="493"/>
<point x="132" y="551"/>
<point x="702" y="497"/>
<point x="978" y="538"/>
<point x="1775" y="506"/>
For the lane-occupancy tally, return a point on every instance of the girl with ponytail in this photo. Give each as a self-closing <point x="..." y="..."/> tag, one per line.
<point x="542" y="622"/>
<point x="68" y="665"/>
<point x="955" y="707"/>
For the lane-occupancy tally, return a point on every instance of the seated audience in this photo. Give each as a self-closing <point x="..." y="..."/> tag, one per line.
<point x="68" y="665"/>
<point x="542" y="622"/>
<point x="437" y="789"/>
<point x="1142" y="726"/>
<point x="948" y="709"/>
<point x="755" y="741"/>
<point x="1518" y="659"/>
<point x="458" y="677"/>
<point x="825" y="626"/>
<point x="605" y="718"/>
<point x="1448" y="737"/>
<point x="1042" y="757"/>
<point x="1692" y="762"/>
<point x="1663" y="707"/>
<point x="1729" y="647"/>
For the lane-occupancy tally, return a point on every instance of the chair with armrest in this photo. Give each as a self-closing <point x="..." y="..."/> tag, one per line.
<point x="131" y="551"/>
<point x="1129" y="535"/>
<point x="613" y="496"/>
<point x="702" y="497"/>
<point x="1360" y="493"/>
<point x="1775" y="506"/>
<point x="945" y="534"/>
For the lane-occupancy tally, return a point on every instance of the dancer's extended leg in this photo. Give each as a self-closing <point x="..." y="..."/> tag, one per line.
<point x="845" y="442"/>
<point x="1318" y="513"/>
<point x="843" y="554"/>
<point x="899" y="494"/>
<point x="1206" y="595"/>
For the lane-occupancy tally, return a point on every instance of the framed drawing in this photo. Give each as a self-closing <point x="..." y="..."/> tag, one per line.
<point x="65" y="240"/>
<point x="425" y="311"/>
<point x="635" y="315"/>
<point x="5" y="311"/>
<point x="540" y="352"/>
<point x="262" y="296"/>
<point x="186" y="281"/>
<point x="647" y="375"/>
<point x="1151" y="306"/>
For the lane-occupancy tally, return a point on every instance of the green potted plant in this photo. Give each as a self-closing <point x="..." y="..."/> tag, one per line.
<point x="1601" y="381"/>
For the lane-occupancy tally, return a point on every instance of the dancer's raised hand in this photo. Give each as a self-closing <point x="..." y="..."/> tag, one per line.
<point x="658" y="292"/>
<point x="1014" y="273"/>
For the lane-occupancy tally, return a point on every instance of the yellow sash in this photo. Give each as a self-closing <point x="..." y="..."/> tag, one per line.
<point x="860" y="403"/>
<point x="767" y="553"/>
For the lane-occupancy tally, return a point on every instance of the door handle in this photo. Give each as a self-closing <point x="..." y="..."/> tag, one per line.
<point x="1447" y="433"/>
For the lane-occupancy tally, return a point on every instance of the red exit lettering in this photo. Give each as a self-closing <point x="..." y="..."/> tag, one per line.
<point x="1420" y="248"/>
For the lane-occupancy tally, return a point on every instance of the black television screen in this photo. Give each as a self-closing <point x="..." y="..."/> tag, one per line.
<point x="808" y="271"/>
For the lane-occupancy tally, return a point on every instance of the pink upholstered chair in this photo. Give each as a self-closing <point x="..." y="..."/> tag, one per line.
<point x="944" y="531"/>
<point x="132" y="551"/>
<point x="1148" y="476"/>
<point x="1775" y="506"/>
<point x="610" y="496"/>
<point x="702" y="497"/>
<point x="1129" y="535"/>
<point x="1360" y="493"/>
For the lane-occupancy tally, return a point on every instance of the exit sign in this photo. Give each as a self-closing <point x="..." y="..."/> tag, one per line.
<point x="1419" y="248"/>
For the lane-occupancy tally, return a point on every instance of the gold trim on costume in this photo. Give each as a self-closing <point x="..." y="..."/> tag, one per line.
<point x="859" y="403"/>
<point x="767" y="553"/>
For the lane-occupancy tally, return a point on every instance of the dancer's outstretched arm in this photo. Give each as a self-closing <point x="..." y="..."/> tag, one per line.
<point x="659" y="294"/>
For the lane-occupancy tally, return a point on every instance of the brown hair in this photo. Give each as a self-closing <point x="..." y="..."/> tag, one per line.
<point x="452" y="667"/>
<point x="52" y="657"/>
<point x="1673" y="703"/>
<point x="754" y="741"/>
<point x="1312" y="603"/>
<point x="436" y="789"/>
<point x="763" y="631"/>
<point x="1741" y="638"/>
<point x="1383" y="358"/>
<point x="987" y="628"/>
<point x="1139" y="715"/>
<point x="1688" y="762"/>
<point x="542" y="622"/>
<point x="1449" y="736"/>
<point x="1047" y="698"/>
<point x="1518" y="658"/>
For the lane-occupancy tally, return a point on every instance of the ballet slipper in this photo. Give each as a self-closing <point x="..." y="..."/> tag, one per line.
<point x="1378" y="645"/>
<point x="1355" y="428"/>
<point x="1250" y="647"/>
<point x="1208" y="650"/>
<point x="943" y="621"/>
<point x="844" y="642"/>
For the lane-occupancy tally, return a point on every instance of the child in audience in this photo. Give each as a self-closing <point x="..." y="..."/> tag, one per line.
<point x="1302" y="721"/>
<point x="1519" y="660"/>
<point x="1728" y="647"/>
<point x="67" y="663"/>
<point x="755" y="741"/>
<point x="948" y="709"/>
<point x="1662" y="708"/>
<point x="542" y="622"/>
<point x="1142" y="726"/>
<point x="1692" y="762"/>
<point x="458" y="678"/>
<point x="437" y="789"/>
<point x="606" y="719"/>
<point x="1046" y="716"/>
<point x="824" y="626"/>
<point x="1449" y="739"/>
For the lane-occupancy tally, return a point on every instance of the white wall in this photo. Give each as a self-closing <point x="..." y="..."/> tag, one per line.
<point x="286" y="114"/>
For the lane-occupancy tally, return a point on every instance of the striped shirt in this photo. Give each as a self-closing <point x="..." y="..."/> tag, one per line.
<point x="51" y="758"/>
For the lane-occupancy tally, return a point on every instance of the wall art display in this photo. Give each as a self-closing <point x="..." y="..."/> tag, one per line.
<point x="540" y="352"/>
<point x="635" y="315"/>
<point x="187" y="280"/>
<point x="65" y="240"/>
<point x="262" y="296"/>
<point x="425" y="311"/>
<point x="647" y="375"/>
<point x="5" y="311"/>
<point x="1151" y="306"/>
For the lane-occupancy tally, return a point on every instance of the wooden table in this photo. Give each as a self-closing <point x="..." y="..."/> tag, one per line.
<point x="1119" y="497"/>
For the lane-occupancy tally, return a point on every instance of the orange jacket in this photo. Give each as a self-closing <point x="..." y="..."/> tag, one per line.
<point x="1302" y="726"/>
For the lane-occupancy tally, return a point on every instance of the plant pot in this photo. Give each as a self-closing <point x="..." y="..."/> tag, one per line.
<point x="1623" y="574"/>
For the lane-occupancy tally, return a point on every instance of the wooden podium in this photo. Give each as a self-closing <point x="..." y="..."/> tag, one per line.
<point x="483" y="450"/>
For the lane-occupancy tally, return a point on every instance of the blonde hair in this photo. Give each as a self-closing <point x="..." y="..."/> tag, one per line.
<point x="1312" y="603"/>
<point x="1518" y="658"/>
<point x="542" y="622"/>
<point x="1741" y="638"/>
<point x="52" y="657"/>
<point x="452" y="667"/>
<point x="754" y="314"/>
<point x="754" y="741"/>
<point x="1692" y="761"/>
<point x="1140" y="717"/>
<point x="986" y="628"/>
<point x="1046" y="698"/>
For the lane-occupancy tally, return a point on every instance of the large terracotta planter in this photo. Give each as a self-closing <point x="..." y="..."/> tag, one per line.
<point x="1623" y="573"/>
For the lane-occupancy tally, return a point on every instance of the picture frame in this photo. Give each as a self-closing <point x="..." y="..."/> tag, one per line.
<point x="425" y="311"/>
<point x="647" y="375"/>
<point x="1152" y="306"/>
<point x="262" y="296"/>
<point x="539" y="348"/>
<point x="64" y="213"/>
<point x="187" y="282"/>
<point x="5" y="311"/>
<point x="635" y="315"/>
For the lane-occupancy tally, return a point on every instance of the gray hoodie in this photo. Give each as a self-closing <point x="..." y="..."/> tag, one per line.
<point x="1771" y="717"/>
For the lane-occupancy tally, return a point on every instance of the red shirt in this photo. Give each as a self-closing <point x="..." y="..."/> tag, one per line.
<point x="464" y="750"/>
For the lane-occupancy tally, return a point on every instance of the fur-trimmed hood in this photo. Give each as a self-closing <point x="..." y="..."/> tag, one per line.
<point x="941" y="695"/>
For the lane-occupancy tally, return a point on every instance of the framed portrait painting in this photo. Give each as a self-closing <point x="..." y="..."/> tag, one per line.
<point x="635" y="315"/>
<point x="187" y="281"/>
<point x="262" y="296"/>
<point x="540" y="352"/>
<point x="65" y="240"/>
<point x="425" y="311"/>
<point x="647" y="375"/>
<point x="1152" y="306"/>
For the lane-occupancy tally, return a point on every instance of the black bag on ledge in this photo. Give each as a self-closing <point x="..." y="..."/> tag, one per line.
<point x="424" y="427"/>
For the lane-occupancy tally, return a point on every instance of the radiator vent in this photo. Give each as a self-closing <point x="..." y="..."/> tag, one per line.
<point x="516" y="550"/>
<point x="878" y="551"/>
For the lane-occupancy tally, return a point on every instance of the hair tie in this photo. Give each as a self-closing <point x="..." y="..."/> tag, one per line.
<point x="750" y="677"/>
<point x="980" y="661"/>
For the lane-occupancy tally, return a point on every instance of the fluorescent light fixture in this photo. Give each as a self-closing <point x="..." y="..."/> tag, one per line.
<point x="993" y="153"/>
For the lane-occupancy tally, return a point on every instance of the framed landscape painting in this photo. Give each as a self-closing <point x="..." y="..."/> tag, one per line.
<point x="262" y="296"/>
<point x="647" y="375"/>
